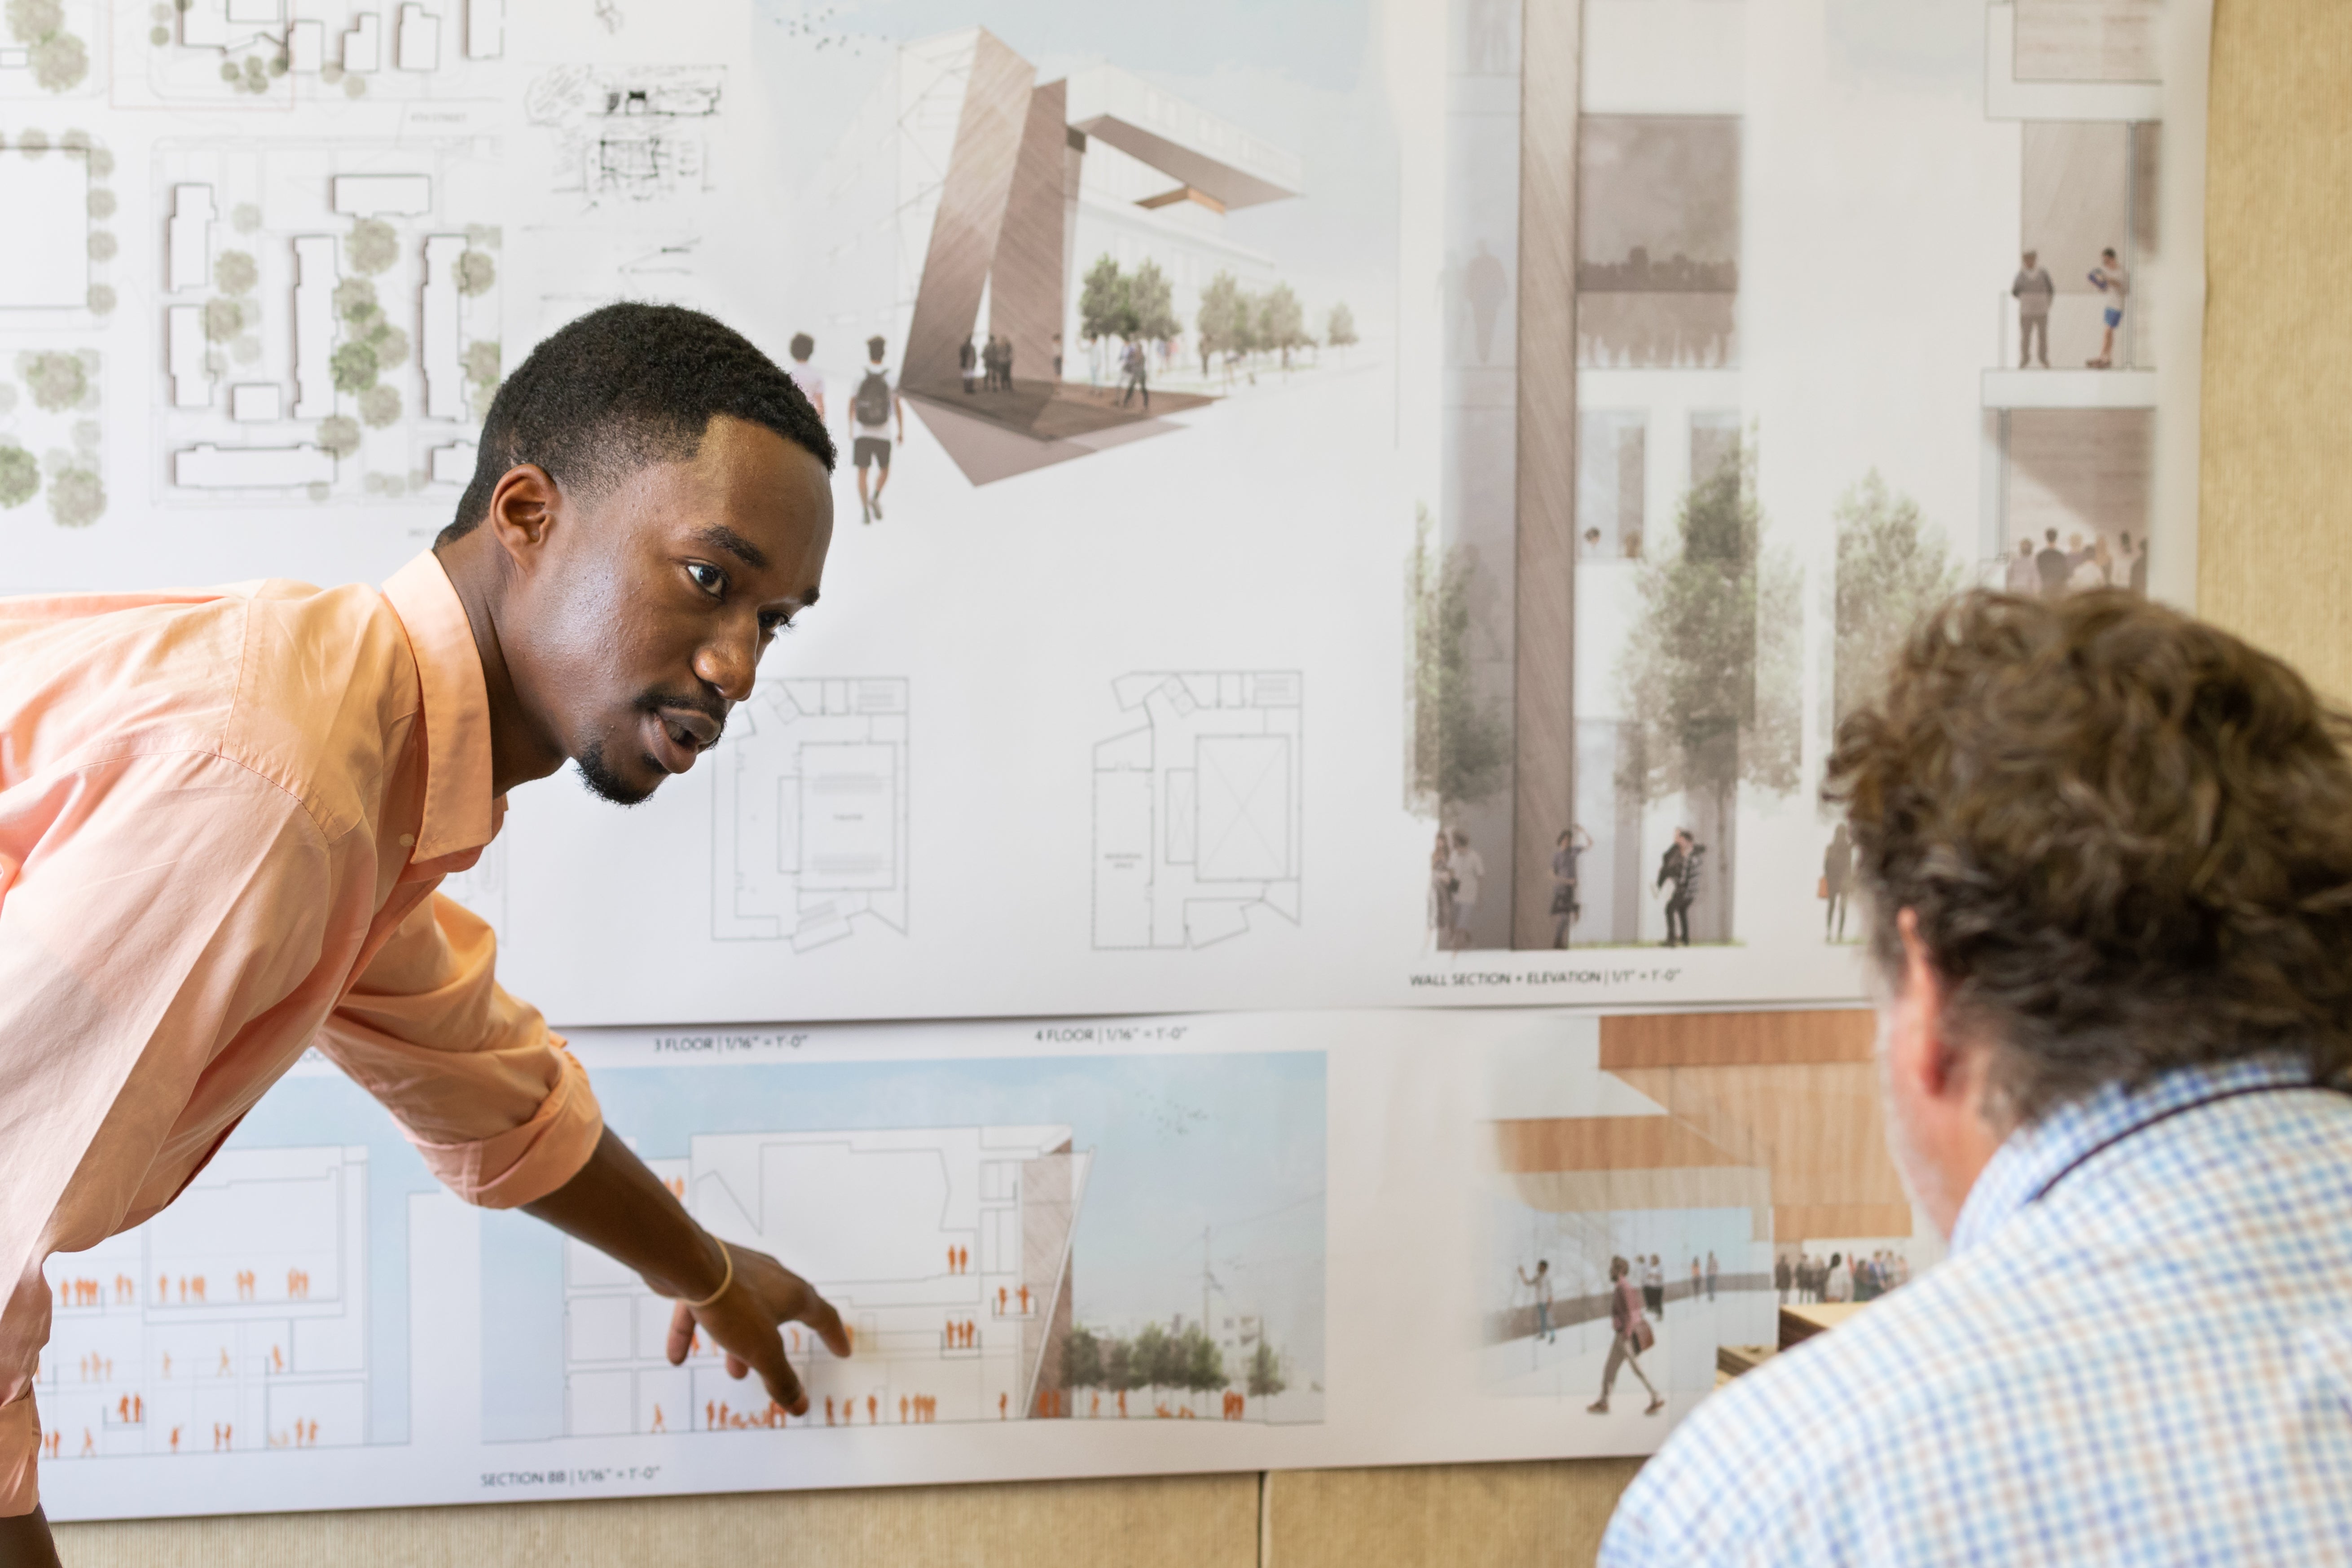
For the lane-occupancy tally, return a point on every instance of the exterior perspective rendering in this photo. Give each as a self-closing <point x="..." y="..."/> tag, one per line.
<point x="1036" y="255"/>
<point x="1733" y="1162"/>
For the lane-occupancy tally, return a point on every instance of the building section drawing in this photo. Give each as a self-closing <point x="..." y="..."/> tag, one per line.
<point x="1197" y="819"/>
<point x="947" y="1251"/>
<point x="259" y="54"/>
<point x="965" y="202"/>
<point x="809" y="819"/>
<point x="333" y="317"/>
<point x="625" y="136"/>
<point x="235" y="1321"/>
<point x="2070" y="402"/>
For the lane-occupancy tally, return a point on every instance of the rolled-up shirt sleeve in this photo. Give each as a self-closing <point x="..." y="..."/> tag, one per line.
<point x="498" y="1108"/>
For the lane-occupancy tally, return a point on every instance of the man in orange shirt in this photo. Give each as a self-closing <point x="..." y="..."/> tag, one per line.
<point x="224" y="813"/>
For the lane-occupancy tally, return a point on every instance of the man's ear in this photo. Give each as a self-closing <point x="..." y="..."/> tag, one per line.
<point x="523" y="511"/>
<point x="1915" y="1048"/>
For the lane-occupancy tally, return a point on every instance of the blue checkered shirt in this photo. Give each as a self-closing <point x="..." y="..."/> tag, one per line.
<point x="2147" y="1362"/>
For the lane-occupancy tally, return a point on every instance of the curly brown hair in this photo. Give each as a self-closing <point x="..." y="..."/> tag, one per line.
<point x="2125" y="836"/>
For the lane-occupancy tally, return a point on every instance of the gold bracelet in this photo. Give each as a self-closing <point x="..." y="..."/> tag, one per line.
<point x="725" y="1252"/>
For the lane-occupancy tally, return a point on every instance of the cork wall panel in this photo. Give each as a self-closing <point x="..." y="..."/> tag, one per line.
<point x="2275" y="552"/>
<point x="1529" y="1516"/>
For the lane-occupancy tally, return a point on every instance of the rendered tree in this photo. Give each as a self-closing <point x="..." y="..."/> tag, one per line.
<point x="1265" y="1378"/>
<point x="1339" y="329"/>
<point x="20" y="477"/>
<point x="1152" y="305"/>
<point x="1201" y="1365"/>
<point x="1710" y="671"/>
<point x="1461" y="742"/>
<point x="1104" y="308"/>
<point x="1892" y="567"/>
<point x="1222" y="322"/>
<point x="1281" y="322"/>
<point x="1149" y="1361"/>
<point x="1082" y="1359"/>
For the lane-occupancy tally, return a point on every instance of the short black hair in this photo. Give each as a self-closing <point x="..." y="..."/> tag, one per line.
<point x="875" y="346"/>
<point x="625" y="386"/>
<point x="803" y="345"/>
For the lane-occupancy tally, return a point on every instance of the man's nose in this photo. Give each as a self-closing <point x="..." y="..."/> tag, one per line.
<point x="731" y="664"/>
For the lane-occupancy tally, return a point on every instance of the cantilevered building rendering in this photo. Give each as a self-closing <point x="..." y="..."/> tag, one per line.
<point x="969" y="198"/>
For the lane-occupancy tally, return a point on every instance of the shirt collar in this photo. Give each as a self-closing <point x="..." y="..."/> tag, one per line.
<point x="2032" y="1157"/>
<point x="460" y="813"/>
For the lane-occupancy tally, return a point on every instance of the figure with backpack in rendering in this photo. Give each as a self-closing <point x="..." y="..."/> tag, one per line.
<point x="872" y="413"/>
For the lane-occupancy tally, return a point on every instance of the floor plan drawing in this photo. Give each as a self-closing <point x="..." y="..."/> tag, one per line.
<point x="236" y="1321"/>
<point x="947" y="1251"/>
<point x="809" y="819"/>
<point x="621" y="136"/>
<point x="331" y="317"/>
<point x="1196" y="810"/>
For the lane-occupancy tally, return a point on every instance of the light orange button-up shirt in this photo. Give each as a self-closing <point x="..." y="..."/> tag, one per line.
<point x="223" y="815"/>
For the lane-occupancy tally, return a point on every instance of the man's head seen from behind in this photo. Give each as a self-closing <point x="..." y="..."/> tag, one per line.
<point x="652" y="504"/>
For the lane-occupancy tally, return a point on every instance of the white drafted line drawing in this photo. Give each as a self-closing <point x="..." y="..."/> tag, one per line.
<point x="1197" y="810"/>
<point x="809" y="819"/>
<point x="947" y="1251"/>
<point x="189" y="1335"/>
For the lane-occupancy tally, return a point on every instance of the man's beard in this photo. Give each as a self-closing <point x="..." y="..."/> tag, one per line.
<point x="597" y="774"/>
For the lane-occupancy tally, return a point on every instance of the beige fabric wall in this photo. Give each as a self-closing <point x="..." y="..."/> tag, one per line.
<point x="2274" y="558"/>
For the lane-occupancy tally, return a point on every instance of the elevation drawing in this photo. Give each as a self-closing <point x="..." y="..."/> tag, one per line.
<point x="1196" y="810"/>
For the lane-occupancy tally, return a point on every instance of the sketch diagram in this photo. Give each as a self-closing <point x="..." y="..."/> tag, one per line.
<point x="947" y="1251"/>
<point x="1197" y="811"/>
<point x="223" y="54"/>
<point x="330" y="322"/>
<point x="626" y="135"/>
<point x="232" y="1321"/>
<point x="809" y="824"/>
<point x="46" y="50"/>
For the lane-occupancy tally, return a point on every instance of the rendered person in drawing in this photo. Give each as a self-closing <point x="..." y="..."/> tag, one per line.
<point x="1468" y="870"/>
<point x="1679" y="868"/>
<point x="1564" y="905"/>
<point x="2023" y="575"/>
<point x="2138" y="564"/>
<point x="2109" y="277"/>
<point x="1837" y="877"/>
<point x="2054" y="564"/>
<point x="1627" y="1332"/>
<point x="1441" y="889"/>
<point x="1134" y="364"/>
<point x="967" y="360"/>
<point x="2033" y="290"/>
<point x="224" y="815"/>
<point x="806" y="376"/>
<point x="1540" y="1283"/>
<point x="1484" y="284"/>
<point x="871" y="412"/>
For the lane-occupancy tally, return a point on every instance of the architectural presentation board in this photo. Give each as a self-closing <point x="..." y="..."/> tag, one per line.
<point x="1382" y="508"/>
<point x="1081" y="1246"/>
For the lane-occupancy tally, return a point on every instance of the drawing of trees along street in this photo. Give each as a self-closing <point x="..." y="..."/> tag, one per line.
<point x="947" y="1251"/>
<point x="293" y="275"/>
<point x="1197" y="809"/>
<point x="809" y="821"/>
<point x="232" y="1321"/>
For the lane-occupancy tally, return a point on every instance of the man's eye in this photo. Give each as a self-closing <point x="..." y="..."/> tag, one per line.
<point x="772" y="625"/>
<point x="708" y="578"/>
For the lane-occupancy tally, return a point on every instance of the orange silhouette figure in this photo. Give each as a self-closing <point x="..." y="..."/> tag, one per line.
<point x="167" y="1363"/>
<point x="225" y="1367"/>
<point x="125" y="1286"/>
<point x="1000" y="1404"/>
<point x="1024" y="1301"/>
<point x="1000" y="1301"/>
<point x="162" y="1289"/>
<point x="828" y="1409"/>
<point x="277" y="1358"/>
<point x="902" y="1410"/>
<point x="55" y="1439"/>
<point x="122" y="1410"/>
<point x="1094" y="1405"/>
<point x="659" y="1425"/>
<point x="175" y="1439"/>
<point x="870" y="1416"/>
<point x="1122" y="1404"/>
<point x="200" y="1286"/>
<point x="88" y="1443"/>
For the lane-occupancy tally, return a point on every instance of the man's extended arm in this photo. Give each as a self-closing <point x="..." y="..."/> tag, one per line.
<point x="622" y="1209"/>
